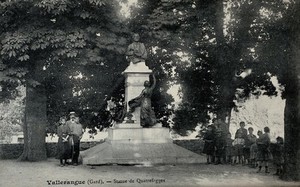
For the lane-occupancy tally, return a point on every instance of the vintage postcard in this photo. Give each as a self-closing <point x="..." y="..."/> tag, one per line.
<point x="149" y="93"/>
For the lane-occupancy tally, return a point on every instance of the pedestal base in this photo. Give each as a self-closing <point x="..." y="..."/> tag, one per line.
<point x="134" y="125"/>
<point x="139" y="135"/>
<point x="139" y="146"/>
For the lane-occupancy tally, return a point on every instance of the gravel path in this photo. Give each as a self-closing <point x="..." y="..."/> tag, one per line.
<point x="48" y="173"/>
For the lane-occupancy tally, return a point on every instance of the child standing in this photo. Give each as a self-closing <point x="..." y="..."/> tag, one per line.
<point x="220" y="140"/>
<point x="63" y="148"/>
<point x="250" y="140"/>
<point x="278" y="155"/>
<point x="238" y="145"/>
<point x="253" y="151"/>
<point x="209" y="146"/>
<point x="263" y="151"/>
<point x="228" y="148"/>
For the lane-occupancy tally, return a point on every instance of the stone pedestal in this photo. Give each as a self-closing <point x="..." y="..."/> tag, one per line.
<point x="139" y="135"/>
<point x="135" y="76"/>
<point x="129" y="143"/>
<point x="144" y="146"/>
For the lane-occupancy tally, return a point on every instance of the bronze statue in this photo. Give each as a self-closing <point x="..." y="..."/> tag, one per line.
<point x="147" y="115"/>
<point x="136" y="52"/>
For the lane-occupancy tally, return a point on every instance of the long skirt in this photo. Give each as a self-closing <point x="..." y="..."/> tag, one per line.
<point x="209" y="148"/>
<point x="263" y="153"/>
<point x="63" y="150"/>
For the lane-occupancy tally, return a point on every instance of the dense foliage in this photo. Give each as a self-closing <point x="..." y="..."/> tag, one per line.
<point x="207" y="47"/>
<point x="73" y="48"/>
<point x="12" y="115"/>
<point x="76" y="50"/>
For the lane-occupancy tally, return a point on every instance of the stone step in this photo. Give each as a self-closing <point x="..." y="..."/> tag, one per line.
<point x="139" y="153"/>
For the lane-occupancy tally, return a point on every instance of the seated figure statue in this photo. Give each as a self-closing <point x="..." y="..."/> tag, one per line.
<point x="136" y="52"/>
<point x="147" y="115"/>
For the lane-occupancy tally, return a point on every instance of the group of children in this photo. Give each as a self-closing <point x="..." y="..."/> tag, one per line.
<point x="246" y="148"/>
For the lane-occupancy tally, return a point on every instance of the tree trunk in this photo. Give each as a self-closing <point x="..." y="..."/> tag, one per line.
<point x="35" y="124"/>
<point x="227" y="90"/>
<point x="228" y="62"/>
<point x="291" y="144"/>
<point x="292" y="118"/>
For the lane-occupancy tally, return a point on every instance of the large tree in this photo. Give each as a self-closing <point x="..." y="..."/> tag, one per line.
<point x="41" y="40"/>
<point x="281" y="56"/>
<point x="204" y="60"/>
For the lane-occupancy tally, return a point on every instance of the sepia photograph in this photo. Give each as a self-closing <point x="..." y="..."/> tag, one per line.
<point x="124" y="93"/>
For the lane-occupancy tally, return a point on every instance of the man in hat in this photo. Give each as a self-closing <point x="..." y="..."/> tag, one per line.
<point x="76" y="133"/>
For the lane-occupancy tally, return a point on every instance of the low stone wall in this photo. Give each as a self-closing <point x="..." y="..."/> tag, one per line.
<point x="10" y="151"/>
<point x="13" y="151"/>
<point x="195" y="145"/>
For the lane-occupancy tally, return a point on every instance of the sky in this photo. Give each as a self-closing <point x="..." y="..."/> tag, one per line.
<point x="125" y="7"/>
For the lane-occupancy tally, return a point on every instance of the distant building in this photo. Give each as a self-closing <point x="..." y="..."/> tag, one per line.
<point x="18" y="138"/>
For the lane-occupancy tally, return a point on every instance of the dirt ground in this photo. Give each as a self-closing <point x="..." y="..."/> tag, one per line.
<point x="48" y="173"/>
